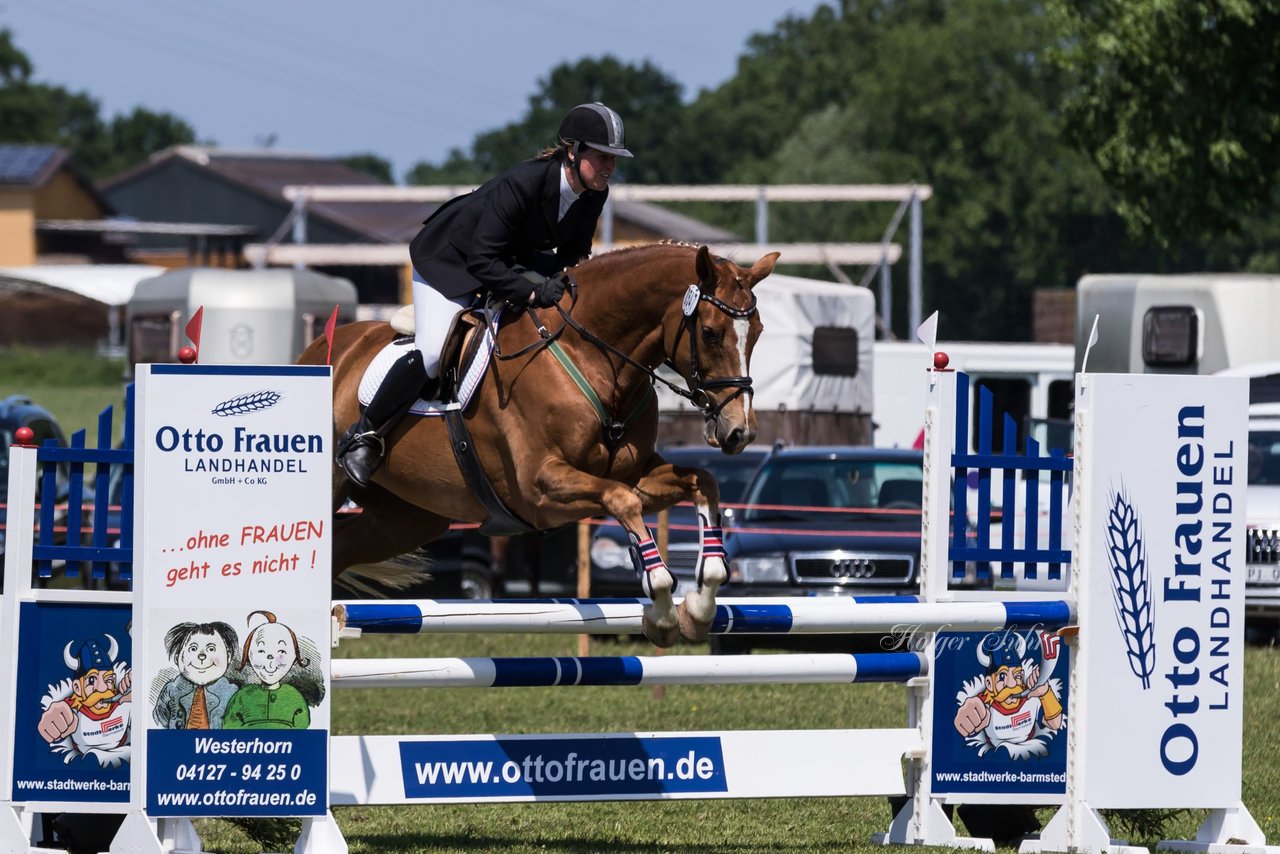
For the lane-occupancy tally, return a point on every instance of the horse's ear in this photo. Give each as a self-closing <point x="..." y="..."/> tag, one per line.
<point x="706" y="269"/>
<point x="764" y="266"/>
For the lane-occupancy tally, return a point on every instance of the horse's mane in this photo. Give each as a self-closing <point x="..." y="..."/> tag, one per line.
<point x="628" y="254"/>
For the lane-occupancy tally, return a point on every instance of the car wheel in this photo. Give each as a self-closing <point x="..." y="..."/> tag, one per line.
<point x="477" y="580"/>
<point x="729" y="645"/>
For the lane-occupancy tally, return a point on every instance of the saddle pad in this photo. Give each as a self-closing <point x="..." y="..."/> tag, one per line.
<point x="382" y="362"/>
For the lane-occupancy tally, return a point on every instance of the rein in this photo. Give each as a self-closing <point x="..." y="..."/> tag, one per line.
<point x="697" y="394"/>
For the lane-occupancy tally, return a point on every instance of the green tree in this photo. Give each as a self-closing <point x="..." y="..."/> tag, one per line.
<point x="955" y="95"/>
<point x="647" y="99"/>
<point x="459" y="167"/>
<point x="1179" y="105"/>
<point x="370" y="164"/>
<point x="32" y="112"/>
<point x="129" y="139"/>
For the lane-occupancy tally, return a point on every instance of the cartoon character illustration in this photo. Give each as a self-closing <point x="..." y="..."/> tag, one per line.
<point x="1015" y="706"/>
<point x="89" y="714"/>
<point x="197" y="697"/>
<point x="271" y="649"/>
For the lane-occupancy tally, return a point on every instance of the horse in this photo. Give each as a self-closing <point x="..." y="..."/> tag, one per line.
<point x="554" y="456"/>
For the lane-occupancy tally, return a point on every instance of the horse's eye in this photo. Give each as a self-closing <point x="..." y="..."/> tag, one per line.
<point x="709" y="336"/>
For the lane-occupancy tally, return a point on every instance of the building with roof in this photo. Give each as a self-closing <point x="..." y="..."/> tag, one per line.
<point x="52" y="214"/>
<point x="245" y="188"/>
<point x="40" y="184"/>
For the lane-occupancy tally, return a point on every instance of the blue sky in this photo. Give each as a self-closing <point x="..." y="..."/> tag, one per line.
<point x="406" y="80"/>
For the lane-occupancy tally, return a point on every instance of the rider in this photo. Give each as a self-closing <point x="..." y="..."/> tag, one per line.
<point x="496" y="241"/>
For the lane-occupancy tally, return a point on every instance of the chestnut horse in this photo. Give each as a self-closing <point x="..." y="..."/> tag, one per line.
<point x="551" y="454"/>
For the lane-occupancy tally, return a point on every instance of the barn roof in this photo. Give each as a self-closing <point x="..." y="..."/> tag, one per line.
<point x="266" y="172"/>
<point x="33" y="166"/>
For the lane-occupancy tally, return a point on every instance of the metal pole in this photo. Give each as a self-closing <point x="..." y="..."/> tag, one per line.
<point x="886" y="296"/>
<point x="606" y="227"/>
<point x="886" y="299"/>
<point x="300" y="226"/>
<point x="584" y="575"/>
<point x="914" y="267"/>
<point x="762" y="216"/>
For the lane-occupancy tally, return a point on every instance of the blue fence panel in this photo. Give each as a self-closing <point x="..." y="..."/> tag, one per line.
<point x="63" y="538"/>
<point x="971" y="543"/>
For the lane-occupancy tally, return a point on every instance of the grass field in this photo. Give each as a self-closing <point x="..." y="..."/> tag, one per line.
<point x="76" y="388"/>
<point x="728" y="827"/>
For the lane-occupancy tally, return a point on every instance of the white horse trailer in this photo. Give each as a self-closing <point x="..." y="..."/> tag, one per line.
<point x="1186" y="324"/>
<point x="251" y="317"/>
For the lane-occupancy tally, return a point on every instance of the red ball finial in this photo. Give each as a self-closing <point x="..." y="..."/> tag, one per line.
<point x="187" y="355"/>
<point x="941" y="360"/>
<point x="24" y="436"/>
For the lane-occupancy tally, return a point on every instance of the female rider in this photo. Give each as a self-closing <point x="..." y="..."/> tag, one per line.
<point x="509" y="239"/>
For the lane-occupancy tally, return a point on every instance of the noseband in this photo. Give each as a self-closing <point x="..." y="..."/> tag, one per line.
<point x="700" y="386"/>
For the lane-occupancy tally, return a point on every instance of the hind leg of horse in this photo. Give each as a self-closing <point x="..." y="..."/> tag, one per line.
<point x="666" y="485"/>
<point x="386" y="526"/>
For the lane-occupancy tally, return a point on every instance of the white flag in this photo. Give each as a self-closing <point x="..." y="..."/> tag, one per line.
<point x="1093" y="339"/>
<point x="928" y="332"/>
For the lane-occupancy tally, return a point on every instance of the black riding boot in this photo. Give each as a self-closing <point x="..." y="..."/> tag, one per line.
<point x="361" y="450"/>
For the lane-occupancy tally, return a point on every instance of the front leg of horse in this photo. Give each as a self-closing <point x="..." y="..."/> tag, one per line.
<point x="566" y="490"/>
<point x="661" y="621"/>
<point x="668" y="485"/>
<point x="698" y="609"/>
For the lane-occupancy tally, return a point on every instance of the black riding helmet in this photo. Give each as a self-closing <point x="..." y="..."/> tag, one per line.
<point x="596" y="126"/>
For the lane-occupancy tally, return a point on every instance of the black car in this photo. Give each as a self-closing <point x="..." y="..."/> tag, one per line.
<point x="826" y="521"/>
<point x="17" y="411"/>
<point x="612" y="571"/>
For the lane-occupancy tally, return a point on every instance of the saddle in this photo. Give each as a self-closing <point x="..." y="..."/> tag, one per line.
<point x="464" y="359"/>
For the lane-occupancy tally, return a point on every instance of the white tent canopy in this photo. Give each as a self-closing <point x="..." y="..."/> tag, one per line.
<point x="109" y="284"/>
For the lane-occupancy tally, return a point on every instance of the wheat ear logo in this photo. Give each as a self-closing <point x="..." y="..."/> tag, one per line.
<point x="1131" y="586"/>
<point x="246" y="403"/>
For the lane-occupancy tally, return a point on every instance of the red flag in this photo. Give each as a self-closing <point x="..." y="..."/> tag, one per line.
<point x="193" y="330"/>
<point x="328" y="334"/>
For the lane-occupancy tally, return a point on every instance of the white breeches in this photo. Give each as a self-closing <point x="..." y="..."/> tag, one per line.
<point x="433" y="314"/>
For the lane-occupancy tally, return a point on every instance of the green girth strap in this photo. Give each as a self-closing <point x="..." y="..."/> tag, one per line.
<point x="613" y="430"/>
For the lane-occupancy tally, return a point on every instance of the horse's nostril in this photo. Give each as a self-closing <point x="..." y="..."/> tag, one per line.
<point x="734" y="439"/>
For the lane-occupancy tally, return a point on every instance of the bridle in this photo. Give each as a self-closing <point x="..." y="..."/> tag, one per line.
<point x="699" y="386"/>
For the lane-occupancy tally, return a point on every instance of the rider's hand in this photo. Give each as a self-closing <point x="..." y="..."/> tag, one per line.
<point x="548" y="292"/>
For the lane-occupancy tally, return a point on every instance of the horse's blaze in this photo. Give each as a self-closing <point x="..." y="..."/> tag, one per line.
<point x="737" y="415"/>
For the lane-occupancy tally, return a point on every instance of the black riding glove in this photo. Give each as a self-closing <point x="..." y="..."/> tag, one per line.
<point x="548" y="292"/>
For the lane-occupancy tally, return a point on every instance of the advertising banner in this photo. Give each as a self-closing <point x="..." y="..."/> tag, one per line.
<point x="1161" y="471"/>
<point x="1000" y="719"/>
<point x="620" y="766"/>
<point x="74" y="705"/>
<point x="231" y="620"/>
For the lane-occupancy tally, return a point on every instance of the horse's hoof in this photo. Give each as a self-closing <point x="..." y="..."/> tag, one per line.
<point x="690" y="629"/>
<point x="663" y="636"/>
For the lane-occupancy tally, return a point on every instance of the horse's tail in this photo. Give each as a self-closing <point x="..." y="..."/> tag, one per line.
<point x="379" y="580"/>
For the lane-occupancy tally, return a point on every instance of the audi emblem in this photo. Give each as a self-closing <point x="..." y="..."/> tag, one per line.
<point x="853" y="568"/>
